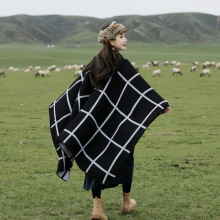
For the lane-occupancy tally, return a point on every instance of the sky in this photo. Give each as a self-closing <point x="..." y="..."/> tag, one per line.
<point x="106" y="9"/>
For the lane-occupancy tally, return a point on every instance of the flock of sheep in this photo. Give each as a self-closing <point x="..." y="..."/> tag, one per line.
<point x="79" y="68"/>
<point x="176" y="67"/>
<point x="46" y="72"/>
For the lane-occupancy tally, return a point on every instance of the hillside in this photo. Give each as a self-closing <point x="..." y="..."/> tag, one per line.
<point x="56" y="29"/>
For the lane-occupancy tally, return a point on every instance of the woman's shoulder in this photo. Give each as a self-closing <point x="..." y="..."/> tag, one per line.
<point x="122" y="61"/>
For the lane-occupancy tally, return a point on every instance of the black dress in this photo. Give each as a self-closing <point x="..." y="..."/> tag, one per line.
<point x="124" y="176"/>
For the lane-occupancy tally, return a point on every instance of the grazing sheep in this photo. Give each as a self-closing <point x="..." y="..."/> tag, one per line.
<point x="217" y="66"/>
<point x="42" y="73"/>
<point x="205" y="72"/>
<point x="155" y="63"/>
<point x="133" y="63"/>
<point x="57" y="70"/>
<point x="206" y="64"/>
<point x="69" y="67"/>
<point x="46" y="73"/>
<point x="79" y="67"/>
<point x="10" y="68"/>
<point x="166" y="63"/>
<point x="193" y="69"/>
<point x="177" y="71"/>
<point x="29" y="69"/>
<point x="15" y="69"/>
<point x="195" y="63"/>
<point x="50" y="68"/>
<point x="145" y="66"/>
<point x="173" y="63"/>
<point x="2" y="73"/>
<point x="78" y="73"/>
<point x="37" y="67"/>
<point x="156" y="72"/>
<point x="178" y="64"/>
<point x="37" y="74"/>
<point x="213" y="64"/>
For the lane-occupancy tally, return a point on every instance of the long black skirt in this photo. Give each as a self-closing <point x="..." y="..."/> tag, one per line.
<point x="125" y="175"/>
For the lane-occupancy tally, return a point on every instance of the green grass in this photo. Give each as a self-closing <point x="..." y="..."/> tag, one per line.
<point x="176" y="172"/>
<point x="23" y="56"/>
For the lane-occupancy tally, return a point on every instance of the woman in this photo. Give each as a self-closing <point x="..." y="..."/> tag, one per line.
<point x="113" y="107"/>
<point x="112" y="36"/>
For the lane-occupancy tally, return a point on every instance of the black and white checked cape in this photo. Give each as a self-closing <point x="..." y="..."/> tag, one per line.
<point x="99" y="128"/>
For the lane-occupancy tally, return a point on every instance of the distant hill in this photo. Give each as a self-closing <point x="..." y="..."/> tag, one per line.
<point x="55" y="29"/>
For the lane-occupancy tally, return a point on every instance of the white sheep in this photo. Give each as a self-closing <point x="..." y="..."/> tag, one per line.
<point x="177" y="71"/>
<point x="10" y="68"/>
<point x="39" y="73"/>
<point x="206" y="64"/>
<point x="166" y="63"/>
<point x="205" y="72"/>
<point x="37" y="67"/>
<point x="79" y="67"/>
<point x="78" y="73"/>
<point x="156" y="72"/>
<point x="155" y="63"/>
<point x="178" y="64"/>
<point x="145" y="66"/>
<point x="173" y="63"/>
<point x="133" y="63"/>
<point x="217" y="66"/>
<point x="15" y="69"/>
<point x="50" y="68"/>
<point x="195" y="63"/>
<point x="27" y="70"/>
<point x="46" y="72"/>
<point x="213" y="64"/>
<point x="57" y="70"/>
<point x="69" y="67"/>
<point x="193" y="69"/>
<point x="42" y="73"/>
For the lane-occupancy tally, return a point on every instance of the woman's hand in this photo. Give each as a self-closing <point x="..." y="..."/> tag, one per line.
<point x="167" y="110"/>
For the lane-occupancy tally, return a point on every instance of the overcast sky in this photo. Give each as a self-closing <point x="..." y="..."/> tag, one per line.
<point x="106" y="9"/>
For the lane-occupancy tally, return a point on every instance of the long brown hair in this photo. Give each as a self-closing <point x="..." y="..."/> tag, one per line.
<point x="104" y="65"/>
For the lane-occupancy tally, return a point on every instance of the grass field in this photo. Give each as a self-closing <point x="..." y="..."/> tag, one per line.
<point x="23" y="56"/>
<point x="177" y="159"/>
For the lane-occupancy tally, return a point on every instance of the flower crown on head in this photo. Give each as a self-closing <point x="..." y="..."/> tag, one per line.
<point x="110" y="32"/>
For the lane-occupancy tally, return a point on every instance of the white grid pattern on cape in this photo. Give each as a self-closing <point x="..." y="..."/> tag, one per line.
<point x="66" y="173"/>
<point x="99" y="128"/>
